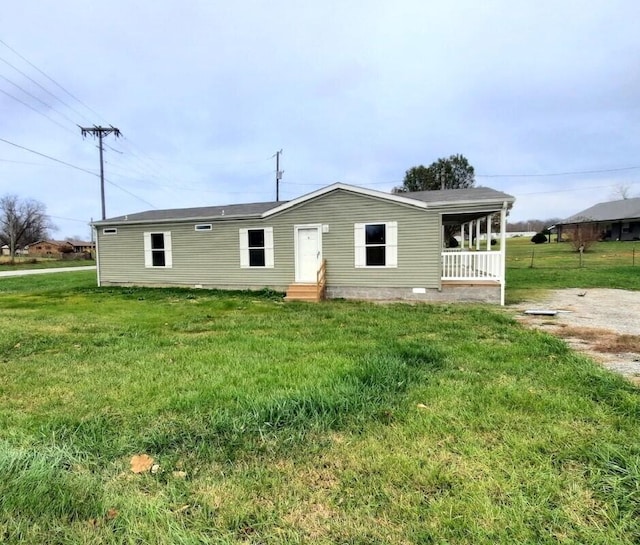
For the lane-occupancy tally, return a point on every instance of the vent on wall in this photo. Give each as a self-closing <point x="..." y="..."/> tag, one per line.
<point x="109" y="231"/>
<point x="203" y="227"/>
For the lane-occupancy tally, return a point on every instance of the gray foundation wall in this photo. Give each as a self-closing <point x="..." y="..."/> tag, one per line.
<point x="448" y="294"/>
<point x="466" y="293"/>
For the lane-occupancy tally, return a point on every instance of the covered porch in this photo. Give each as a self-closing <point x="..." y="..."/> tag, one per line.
<point x="474" y="262"/>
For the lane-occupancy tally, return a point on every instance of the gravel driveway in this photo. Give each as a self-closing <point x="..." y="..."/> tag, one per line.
<point x="604" y="323"/>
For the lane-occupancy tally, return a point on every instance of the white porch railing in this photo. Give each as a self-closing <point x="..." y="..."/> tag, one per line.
<point x="463" y="265"/>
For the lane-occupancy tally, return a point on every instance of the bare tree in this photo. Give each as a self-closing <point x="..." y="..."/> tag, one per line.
<point x="582" y="235"/>
<point x="621" y="191"/>
<point x="22" y="222"/>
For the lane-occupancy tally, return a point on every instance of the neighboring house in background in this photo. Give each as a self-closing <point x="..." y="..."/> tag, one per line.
<point x="48" y="248"/>
<point x="83" y="247"/>
<point x="615" y="220"/>
<point x="342" y="241"/>
<point x="58" y="248"/>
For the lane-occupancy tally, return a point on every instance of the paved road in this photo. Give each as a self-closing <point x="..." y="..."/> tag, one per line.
<point x="25" y="272"/>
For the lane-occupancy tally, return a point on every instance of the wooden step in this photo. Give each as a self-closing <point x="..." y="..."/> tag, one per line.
<point x="302" y="292"/>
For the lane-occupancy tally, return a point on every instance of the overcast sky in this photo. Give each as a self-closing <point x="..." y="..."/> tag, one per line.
<point x="205" y="93"/>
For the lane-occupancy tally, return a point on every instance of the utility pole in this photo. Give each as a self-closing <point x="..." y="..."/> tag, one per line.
<point x="101" y="132"/>
<point x="278" y="174"/>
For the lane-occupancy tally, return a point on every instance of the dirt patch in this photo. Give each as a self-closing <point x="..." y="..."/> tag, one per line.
<point x="603" y="323"/>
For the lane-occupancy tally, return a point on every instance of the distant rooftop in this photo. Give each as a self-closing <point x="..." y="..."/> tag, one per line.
<point x="624" y="209"/>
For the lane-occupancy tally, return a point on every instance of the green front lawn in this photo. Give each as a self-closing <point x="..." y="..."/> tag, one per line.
<point x="534" y="267"/>
<point x="298" y="423"/>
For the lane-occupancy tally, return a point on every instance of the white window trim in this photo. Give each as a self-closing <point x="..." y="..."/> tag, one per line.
<point x="201" y="227"/>
<point x="148" y="254"/>
<point x="109" y="231"/>
<point x="268" y="248"/>
<point x="391" y="245"/>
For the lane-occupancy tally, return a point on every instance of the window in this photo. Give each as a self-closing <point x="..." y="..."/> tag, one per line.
<point x="109" y="231"/>
<point x="256" y="248"/>
<point x="203" y="227"/>
<point x="376" y="244"/>
<point x="157" y="250"/>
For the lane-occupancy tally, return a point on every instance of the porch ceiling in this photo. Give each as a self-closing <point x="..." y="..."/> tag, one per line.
<point x="459" y="218"/>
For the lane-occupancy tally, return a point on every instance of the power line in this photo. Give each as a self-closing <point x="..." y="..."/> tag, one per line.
<point x="573" y="189"/>
<point x="50" y="78"/>
<point x="43" y="88"/>
<point x="67" y="219"/>
<point x="36" y="98"/>
<point x="148" y="162"/>
<point x="24" y="163"/>
<point x="130" y="193"/>
<point x="37" y="111"/>
<point x="76" y="168"/>
<point x="570" y="173"/>
<point x="225" y="164"/>
<point x="48" y="157"/>
<point x="69" y="93"/>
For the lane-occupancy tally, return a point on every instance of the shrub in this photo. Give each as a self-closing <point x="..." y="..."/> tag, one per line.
<point x="539" y="238"/>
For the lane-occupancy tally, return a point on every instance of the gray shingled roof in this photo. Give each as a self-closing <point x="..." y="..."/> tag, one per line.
<point x="208" y="213"/>
<point x="459" y="195"/>
<point x="607" y="211"/>
<point x="203" y="212"/>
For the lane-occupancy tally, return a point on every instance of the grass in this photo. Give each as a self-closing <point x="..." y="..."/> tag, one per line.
<point x="294" y="423"/>
<point x="22" y="263"/>
<point x="535" y="267"/>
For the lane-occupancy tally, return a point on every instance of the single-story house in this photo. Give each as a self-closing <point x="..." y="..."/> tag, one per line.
<point x="615" y="220"/>
<point x="83" y="246"/>
<point x="48" y="248"/>
<point x="340" y="241"/>
<point x="5" y="250"/>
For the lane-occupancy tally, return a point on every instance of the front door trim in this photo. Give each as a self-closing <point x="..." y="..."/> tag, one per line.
<point x="296" y="229"/>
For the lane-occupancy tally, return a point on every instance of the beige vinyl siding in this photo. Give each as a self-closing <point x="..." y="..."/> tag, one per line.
<point x="212" y="258"/>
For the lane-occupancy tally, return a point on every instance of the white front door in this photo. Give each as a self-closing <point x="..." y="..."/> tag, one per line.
<point x="308" y="253"/>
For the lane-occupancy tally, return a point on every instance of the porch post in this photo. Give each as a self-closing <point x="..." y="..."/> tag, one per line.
<point x="478" y="234"/>
<point x="462" y="236"/>
<point x="489" y="218"/>
<point x="503" y="250"/>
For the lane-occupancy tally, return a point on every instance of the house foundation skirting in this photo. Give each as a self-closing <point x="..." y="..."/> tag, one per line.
<point x="454" y="292"/>
<point x="450" y="293"/>
<point x="206" y="286"/>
